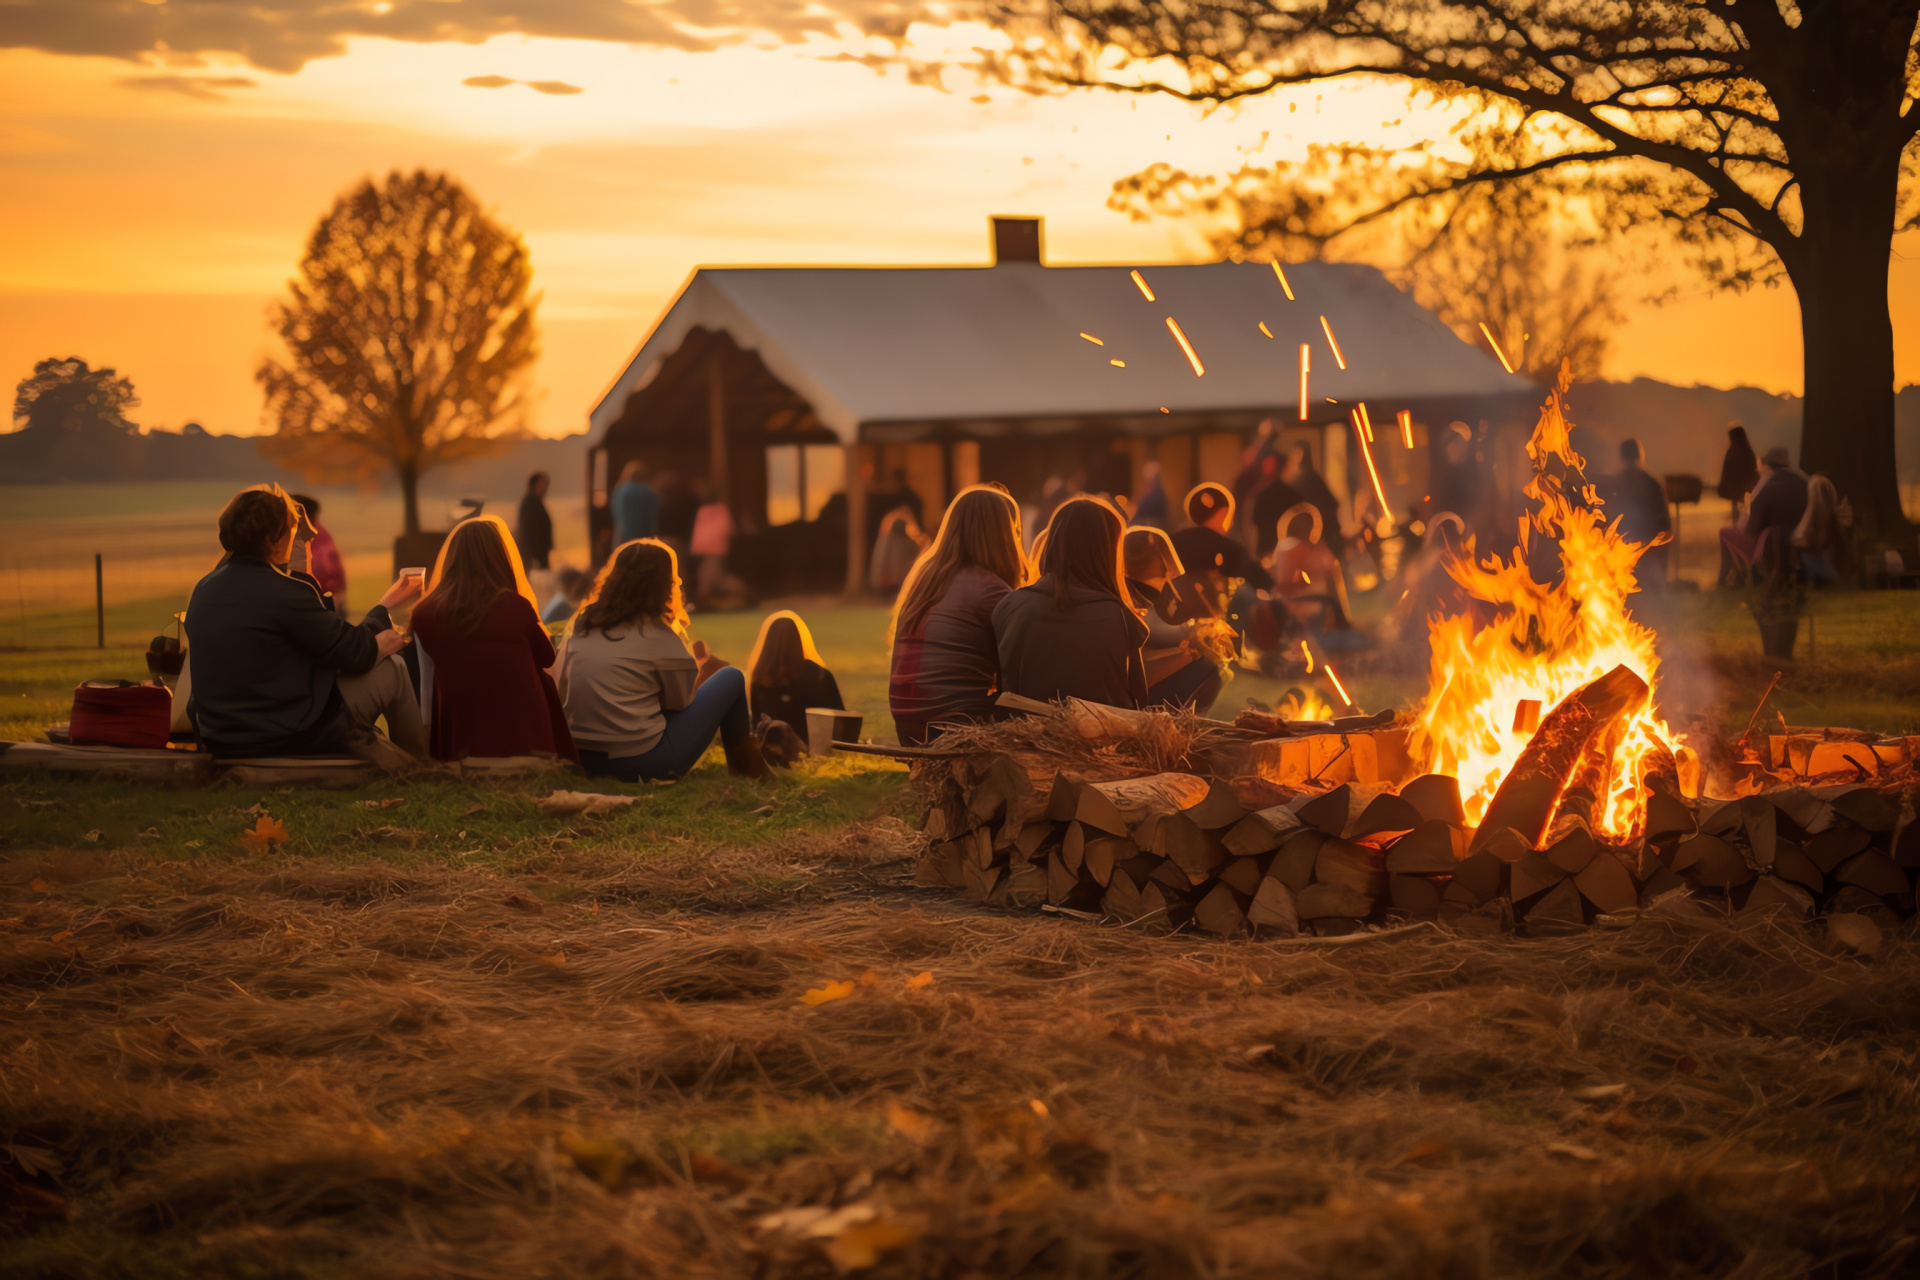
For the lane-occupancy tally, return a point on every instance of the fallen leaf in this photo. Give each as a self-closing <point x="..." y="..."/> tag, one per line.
<point x="151" y="833"/>
<point x="558" y="960"/>
<point x="1573" y="1151"/>
<point x="588" y="803"/>
<point x="910" y="1124"/>
<point x="791" y="1221"/>
<point x="605" y="1160"/>
<point x="764" y="810"/>
<point x="1857" y="933"/>
<point x="194" y="844"/>
<point x="832" y="991"/>
<point x="265" y="833"/>
<point x="862" y="1246"/>
<point x="1597" y="1092"/>
<point x="61" y="936"/>
<point x="92" y="837"/>
<point x="715" y="1171"/>
<point x="922" y="979"/>
<point x="1039" y="1107"/>
<point x="381" y="804"/>
<point x="1421" y="1152"/>
<point x="39" y="886"/>
<point x="521" y="902"/>
<point x="468" y="813"/>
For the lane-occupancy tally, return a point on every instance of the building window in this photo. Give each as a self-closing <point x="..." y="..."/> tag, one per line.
<point x="800" y="479"/>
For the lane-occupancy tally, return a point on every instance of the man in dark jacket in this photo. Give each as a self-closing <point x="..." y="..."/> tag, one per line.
<point x="1206" y="546"/>
<point x="1773" y="510"/>
<point x="1639" y="502"/>
<point x="535" y="530"/>
<point x="267" y="652"/>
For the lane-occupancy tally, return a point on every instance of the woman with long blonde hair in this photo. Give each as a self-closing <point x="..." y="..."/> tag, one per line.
<point x="640" y="703"/>
<point x="945" y="662"/>
<point x="484" y="678"/>
<point x="785" y="675"/>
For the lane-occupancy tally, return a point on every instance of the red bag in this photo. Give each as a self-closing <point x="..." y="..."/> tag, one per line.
<point x="119" y="713"/>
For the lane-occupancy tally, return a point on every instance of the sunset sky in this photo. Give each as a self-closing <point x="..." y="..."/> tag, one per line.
<point x="152" y="206"/>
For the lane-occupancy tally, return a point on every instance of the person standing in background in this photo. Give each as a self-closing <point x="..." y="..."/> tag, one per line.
<point x="327" y="568"/>
<point x="636" y="507"/>
<point x="1739" y="471"/>
<point x="1640" y="503"/>
<point x="678" y="505"/>
<point x="534" y="532"/>
<point x="1778" y="503"/>
<point x="712" y="540"/>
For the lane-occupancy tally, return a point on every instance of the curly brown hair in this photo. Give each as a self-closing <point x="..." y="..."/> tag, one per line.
<point x="640" y="583"/>
<point x="254" y="519"/>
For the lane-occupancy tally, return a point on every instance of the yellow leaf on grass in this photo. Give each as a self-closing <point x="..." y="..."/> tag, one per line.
<point x="832" y="991"/>
<point x="922" y="979"/>
<point x="266" y="832"/>
<point x="862" y="1246"/>
<point x="61" y="936"/>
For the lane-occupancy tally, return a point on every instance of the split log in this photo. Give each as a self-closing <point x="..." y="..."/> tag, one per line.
<point x="1906" y="845"/>
<point x="1477" y="879"/>
<point x="1293" y="864"/>
<point x="1273" y="907"/>
<point x="1750" y="820"/>
<point x="1426" y="850"/>
<point x="1437" y="797"/>
<point x="1122" y="900"/>
<point x="1167" y="872"/>
<point x="1035" y="838"/>
<point x="1073" y="846"/>
<point x="1245" y="874"/>
<point x="1262" y="831"/>
<point x="1557" y="911"/>
<point x="1659" y="882"/>
<point x="1103" y="854"/>
<point x="1572" y="846"/>
<point x="1604" y="882"/>
<point x="980" y="850"/>
<point x="1025" y="885"/>
<point x="1416" y="895"/>
<point x="1840" y="841"/>
<point x="1506" y="844"/>
<point x="1387" y="814"/>
<point x="1193" y="850"/>
<point x="1791" y="864"/>
<point x="1534" y="874"/>
<point x="1668" y="815"/>
<point x="1351" y="866"/>
<point x="1868" y="808"/>
<point x="1327" y="901"/>
<point x="1851" y="899"/>
<point x="1875" y="872"/>
<point x="1772" y="894"/>
<point x="982" y="882"/>
<point x="1063" y="883"/>
<point x="1709" y="860"/>
<point x="1115" y="807"/>
<point x="1162" y="905"/>
<point x="942" y="865"/>
<point x="1528" y="794"/>
<point x="1220" y="810"/>
<point x="1221" y="910"/>
<point x="999" y="791"/>
<point x="1326" y="811"/>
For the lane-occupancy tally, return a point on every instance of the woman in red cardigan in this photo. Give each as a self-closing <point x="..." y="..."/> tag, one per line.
<point x="489" y="693"/>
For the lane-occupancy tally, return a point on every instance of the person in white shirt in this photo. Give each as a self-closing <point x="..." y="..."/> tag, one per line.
<point x="640" y="704"/>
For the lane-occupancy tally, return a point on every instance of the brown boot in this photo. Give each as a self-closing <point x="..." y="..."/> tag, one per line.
<point x="745" y="759"/>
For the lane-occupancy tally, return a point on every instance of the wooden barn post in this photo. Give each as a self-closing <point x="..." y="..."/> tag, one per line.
<point x="856" y="522"/>
<point x="717" y="425"/>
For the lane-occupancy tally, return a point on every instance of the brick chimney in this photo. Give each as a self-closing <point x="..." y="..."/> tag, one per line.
<point x="1015" y="240"/>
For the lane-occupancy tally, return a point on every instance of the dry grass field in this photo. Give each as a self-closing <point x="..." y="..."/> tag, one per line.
<point x="598" y="1047"/>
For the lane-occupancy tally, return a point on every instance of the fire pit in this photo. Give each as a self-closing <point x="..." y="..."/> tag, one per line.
<point x="1537" y="786"/>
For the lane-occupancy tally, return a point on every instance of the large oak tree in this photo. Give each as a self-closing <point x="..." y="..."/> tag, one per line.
<point x="1768" y="135"/>
<point x="410" y="332"/>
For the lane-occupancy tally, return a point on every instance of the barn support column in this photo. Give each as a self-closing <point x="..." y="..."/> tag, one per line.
<point x="856" y="520"/>
<point x="717" y="427"/>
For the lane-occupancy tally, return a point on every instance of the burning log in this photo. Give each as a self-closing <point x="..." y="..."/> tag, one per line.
<point x="1530" y="792"/>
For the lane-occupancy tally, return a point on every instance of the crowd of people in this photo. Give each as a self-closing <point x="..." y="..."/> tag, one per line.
<point x="1101" y="603"/>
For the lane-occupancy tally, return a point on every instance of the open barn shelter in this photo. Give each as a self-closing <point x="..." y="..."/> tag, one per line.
<point x="809" y="397"/>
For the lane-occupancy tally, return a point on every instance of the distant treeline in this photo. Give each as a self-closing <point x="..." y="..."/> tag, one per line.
<point x="34" y="457"/>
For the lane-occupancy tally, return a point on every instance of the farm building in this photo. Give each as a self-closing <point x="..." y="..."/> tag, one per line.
<point x="796" y="394"/>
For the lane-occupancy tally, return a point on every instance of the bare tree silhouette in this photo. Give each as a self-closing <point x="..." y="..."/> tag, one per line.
<point x="410" y="330"/>
<point x="1772" y="138"/>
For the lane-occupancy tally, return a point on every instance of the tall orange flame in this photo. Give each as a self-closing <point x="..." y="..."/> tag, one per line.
<point x="1546" y="640"/>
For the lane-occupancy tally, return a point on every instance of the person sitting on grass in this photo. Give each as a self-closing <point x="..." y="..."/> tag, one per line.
<point x="1074" y="634"/>
<point x="946" y="662"/>
<point x="786" y="676"/>
<point x="485" y="683"/>
<point x="276" y="672"/>
<point x="640" y="704"/>
<point x="1179" y="673"/>
<point x="569" y="590"/>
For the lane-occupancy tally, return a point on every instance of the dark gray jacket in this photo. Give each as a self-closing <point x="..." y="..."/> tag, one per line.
<point x="1090" y="649"/>
<point x="266" y="649"/>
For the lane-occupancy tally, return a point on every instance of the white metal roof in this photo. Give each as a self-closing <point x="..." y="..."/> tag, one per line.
<point x="941" y="344"/>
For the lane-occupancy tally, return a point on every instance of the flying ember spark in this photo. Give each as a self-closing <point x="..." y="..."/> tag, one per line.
<point x="1495" y="344"/>
<point x="1366" y="421"/>
<point x="1306" y="365"/>
<point x="1118" y="364"/>
<point x="1095" y="341"/>
<point x="1337" y="686"/>
<point x="1141" y="281"/>
<point x="1406" y="427"/>
<point x="1308" y="655"/>
<point x="1283" y="281"/>
<point x="1334" y="343"/>
<point x="1265" y="330"/>
<point x="1372" y="471"/>
<point x="1199" y="370"/>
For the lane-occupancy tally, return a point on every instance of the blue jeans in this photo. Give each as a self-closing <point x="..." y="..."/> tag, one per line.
<point x="719" y="704"/>
<point x="1195" y="685"/>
